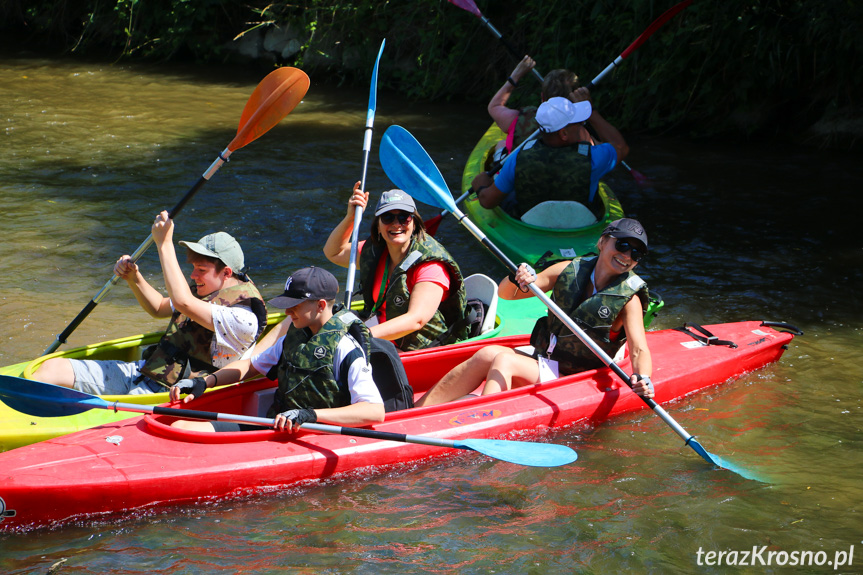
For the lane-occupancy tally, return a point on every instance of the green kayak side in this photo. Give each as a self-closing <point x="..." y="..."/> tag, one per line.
<point x="523" y="242"/>
<point x="18" y="429"/>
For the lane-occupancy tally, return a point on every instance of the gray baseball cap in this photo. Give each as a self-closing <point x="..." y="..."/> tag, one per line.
<point x="395" y="200"/>
<point x="219" y="245"/>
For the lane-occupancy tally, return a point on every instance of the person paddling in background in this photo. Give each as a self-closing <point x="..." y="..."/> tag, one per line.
<point x="213" y="321"/>
<point x="519" y="123"/>
<point x="561" y="165"/>
<point x="321" y="363"/>
<point x="598" y="293"/>
<point x="412" y="288"/>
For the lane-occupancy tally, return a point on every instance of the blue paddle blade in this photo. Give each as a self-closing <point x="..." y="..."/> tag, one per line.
<point x="521" y="452"/>
<point x="44" y="399"/>
<point x="410" y="168"/>
<point x="373" y="93"/>
<point x="719" y="462"/>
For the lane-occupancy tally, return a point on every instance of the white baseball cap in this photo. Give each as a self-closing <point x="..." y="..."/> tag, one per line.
<point x="556" y="113"/>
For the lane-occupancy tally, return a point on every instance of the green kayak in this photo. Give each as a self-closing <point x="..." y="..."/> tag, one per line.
<point x="527" y="242"/>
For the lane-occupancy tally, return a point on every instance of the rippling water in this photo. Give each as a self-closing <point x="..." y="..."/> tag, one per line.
<point x="93" y="151"/>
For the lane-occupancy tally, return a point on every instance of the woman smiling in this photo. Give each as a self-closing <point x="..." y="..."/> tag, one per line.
<point x="413" y="290"/>
<point x="598" y="293"/>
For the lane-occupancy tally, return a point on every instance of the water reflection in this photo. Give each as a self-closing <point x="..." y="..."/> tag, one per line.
<point x="737" y="232"/>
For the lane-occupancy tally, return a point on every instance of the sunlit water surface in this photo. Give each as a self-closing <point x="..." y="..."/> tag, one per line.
<point x="93" y="151"/>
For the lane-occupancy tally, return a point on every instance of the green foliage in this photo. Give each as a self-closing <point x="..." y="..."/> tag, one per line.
<point x="737" y="66"/>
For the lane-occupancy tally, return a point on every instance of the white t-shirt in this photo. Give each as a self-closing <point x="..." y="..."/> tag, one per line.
<point x="360" y="383"/>
<point x="235" y="329"/>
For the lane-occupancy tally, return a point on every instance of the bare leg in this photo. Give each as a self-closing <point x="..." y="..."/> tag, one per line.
<point x="463" y="378"/>
<point x="57" y="370"/>
<point x="194" y="425"/>
<point x="510" y="370"/>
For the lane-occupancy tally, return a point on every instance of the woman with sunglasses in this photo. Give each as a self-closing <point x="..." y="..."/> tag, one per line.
<point x="412" y="288"/>
<point x="598" y="293"/>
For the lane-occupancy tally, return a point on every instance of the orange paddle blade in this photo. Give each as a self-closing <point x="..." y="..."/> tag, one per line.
<point x="274" y="98"/>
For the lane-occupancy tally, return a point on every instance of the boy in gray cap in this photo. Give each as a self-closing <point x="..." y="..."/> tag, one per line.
<point x="214" y="320"/>
<point x="321" y="362"/>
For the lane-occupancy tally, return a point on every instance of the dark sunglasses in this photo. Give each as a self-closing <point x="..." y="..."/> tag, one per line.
<point x="624" y="246"/>
<point x="389" y="217"/>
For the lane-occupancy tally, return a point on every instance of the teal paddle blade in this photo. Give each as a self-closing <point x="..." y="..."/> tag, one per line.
<point x="719" y="462"/>
<point x="44" y="399"/>
<point x="521" y="452"/>
<point x="410" y="168"/>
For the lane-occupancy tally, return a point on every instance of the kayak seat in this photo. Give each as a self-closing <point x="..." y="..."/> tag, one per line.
<point x="390" y="377"/>
<point x="559" y="215"/>
<point x="484" y="289"/>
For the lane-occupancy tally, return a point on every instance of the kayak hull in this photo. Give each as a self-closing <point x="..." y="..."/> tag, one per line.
<point x="142" y="462"/>
<point x="523" y="242"/>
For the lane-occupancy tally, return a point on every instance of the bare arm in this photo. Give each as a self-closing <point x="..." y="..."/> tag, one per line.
<point x="148" y="298"/>
<point x="181" y="296"/>
<point x="361" y="413"/>
<point x="231" y="373"/>
<point x="338" y="246"/>
<point x="424" y="302"/>
<point x="636" y="340"/>
<point x="503" y="116"/>
<point x="545" y="280"/>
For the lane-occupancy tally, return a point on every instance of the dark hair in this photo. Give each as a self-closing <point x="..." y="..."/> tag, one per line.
<point x="559" y="83"/>
<point x="194" y="257"/>
<point x="419" y="230"/>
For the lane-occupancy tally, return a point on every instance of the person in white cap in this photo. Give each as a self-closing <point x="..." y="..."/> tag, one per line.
<point x="561" y="165"/>
<point x="412" y="287"/>
<point x="214" y="321"/>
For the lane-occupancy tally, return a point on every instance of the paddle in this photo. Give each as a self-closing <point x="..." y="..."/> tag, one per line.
<point x="273" y="99"/>
<point x="367" y="146"/>
<point x="408" y="165"/>
<point x="46" y="400"/>
<point x="471" y="7"/>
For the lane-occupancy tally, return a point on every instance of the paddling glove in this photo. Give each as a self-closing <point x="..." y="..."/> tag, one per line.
<point x="195" y="386"/>
<point x="300" y="416"/>
<point x="646" y="380"/>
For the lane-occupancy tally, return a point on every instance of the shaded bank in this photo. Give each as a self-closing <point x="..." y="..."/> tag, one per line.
<point x="759" y="70"/>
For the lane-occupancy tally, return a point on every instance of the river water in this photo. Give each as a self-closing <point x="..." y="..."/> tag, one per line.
<point x="93" y="151"/>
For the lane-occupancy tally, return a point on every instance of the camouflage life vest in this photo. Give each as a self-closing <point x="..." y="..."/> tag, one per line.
<point x="594" y="315"/>
<point x="450" y="314"/>
<point x="305" y="371"/>
<point x="186" y="348"/>
<point x="543" y="173"/>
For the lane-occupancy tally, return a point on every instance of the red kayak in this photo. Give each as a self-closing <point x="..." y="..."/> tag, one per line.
<point x="142" y="462"/>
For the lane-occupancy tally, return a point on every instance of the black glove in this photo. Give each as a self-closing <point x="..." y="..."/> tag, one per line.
<point x="195" y="386"/>
<point x="300" y="416"/>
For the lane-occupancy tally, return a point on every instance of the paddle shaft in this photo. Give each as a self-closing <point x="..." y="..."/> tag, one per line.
<point x="654" y="26"/>
<point x="585" y="339"/>
<point x="367" y="147"/>
<point x="91" y="305"/>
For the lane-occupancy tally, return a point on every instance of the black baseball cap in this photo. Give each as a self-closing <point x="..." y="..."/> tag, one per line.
<point x="305" y="284"/>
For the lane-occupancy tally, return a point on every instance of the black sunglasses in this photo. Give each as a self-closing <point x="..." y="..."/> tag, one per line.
<point x="624" y="246"/>
<point x="389" y="217"/>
